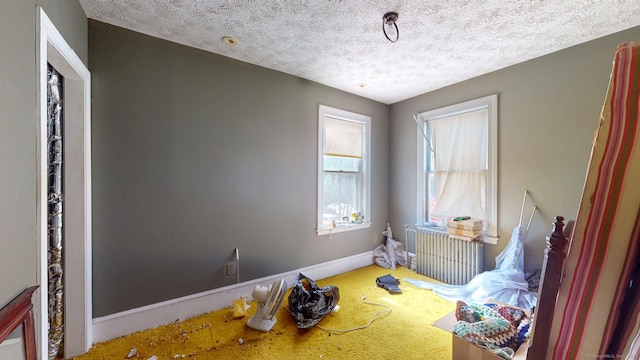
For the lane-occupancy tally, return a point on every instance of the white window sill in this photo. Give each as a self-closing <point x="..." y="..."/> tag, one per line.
<point x="343" y="228"/>
<point x="490" y="239"/>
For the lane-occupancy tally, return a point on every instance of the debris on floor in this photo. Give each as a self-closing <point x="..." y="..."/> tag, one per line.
<point x="132" y="353"/>
<point x="240" y="308"/>
<point x="389" y="283"/>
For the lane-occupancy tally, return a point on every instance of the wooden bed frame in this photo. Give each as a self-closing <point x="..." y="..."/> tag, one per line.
<point x="554" y="256"/>
<point x="20" y="312"/>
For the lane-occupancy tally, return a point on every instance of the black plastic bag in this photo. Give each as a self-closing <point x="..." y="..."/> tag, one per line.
<point x="308" y="303"/>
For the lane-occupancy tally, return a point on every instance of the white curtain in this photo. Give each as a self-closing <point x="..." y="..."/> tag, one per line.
<point x="460" y="151"/>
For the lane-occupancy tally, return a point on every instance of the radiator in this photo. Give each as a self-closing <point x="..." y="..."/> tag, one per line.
<point x="451" y="260"/>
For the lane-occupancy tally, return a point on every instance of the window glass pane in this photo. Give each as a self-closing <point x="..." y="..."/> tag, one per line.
<point x="341" y="196"/>
<point x="431" y="198"/>
<point x="340" y="163"/>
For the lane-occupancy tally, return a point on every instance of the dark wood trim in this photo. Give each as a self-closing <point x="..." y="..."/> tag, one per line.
<point x="20" y="311"/>
<point x="554" y="256"/>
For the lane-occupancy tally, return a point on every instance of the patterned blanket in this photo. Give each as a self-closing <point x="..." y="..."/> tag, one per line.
<point x="498" y="328"/>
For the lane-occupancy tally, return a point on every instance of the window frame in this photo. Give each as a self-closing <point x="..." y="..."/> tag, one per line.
<point x="324" y="110"/>
<point x="491" y="104"/>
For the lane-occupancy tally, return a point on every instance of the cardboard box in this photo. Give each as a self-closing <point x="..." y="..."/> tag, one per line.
<point x="463" y="232"/>
<point x="465" y="350"/>
<point x="471" y="224"/>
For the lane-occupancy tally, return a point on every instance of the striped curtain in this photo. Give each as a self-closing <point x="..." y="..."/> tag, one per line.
<point x="597" y="313"/>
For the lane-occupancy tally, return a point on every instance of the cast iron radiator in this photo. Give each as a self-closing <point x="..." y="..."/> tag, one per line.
<point x="451" y="260"/>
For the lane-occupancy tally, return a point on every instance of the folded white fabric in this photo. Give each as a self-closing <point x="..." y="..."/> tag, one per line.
<point x="390" y="253"/>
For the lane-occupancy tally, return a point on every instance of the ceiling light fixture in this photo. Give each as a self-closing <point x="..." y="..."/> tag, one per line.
<point x="390" y="27"/>
<point x="229" y="40"/>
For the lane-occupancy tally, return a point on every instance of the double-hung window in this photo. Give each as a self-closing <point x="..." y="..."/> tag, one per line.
<point x="344" y="165"/>
<point x="457" y="162"/>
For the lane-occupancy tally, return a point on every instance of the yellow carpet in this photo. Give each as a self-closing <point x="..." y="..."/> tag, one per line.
<point x="405" y="333"/>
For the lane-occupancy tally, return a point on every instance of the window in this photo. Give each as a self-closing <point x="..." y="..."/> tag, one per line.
<point x="344" y="164"/>
<point x="457" y="153"/>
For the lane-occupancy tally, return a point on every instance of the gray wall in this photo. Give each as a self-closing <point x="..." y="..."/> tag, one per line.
<point x="548" y="111"/>
<point x="18" y="124"/>
<point x="195" y="154"/>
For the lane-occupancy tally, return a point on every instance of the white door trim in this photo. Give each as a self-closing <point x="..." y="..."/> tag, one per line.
<point x="52" y="48"/>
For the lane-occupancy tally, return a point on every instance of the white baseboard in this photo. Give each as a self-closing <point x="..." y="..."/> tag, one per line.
<point x="151" y="316"/>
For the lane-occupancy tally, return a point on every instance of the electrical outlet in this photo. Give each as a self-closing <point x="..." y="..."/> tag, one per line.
<point x="229" y="269"/>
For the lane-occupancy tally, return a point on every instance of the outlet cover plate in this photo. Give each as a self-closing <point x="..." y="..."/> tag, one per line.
<point x="229" y="269"/>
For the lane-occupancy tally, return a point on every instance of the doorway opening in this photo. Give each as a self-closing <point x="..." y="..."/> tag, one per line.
<point x="53" y="50"/>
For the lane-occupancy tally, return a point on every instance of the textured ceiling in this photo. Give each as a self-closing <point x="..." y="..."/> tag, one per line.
<point x="340" y="43"/>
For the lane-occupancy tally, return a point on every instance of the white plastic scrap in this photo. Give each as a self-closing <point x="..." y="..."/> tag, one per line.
<point x="153" y="358"/>
<point x="132" y="353"/>
<point x="241" y="341"/>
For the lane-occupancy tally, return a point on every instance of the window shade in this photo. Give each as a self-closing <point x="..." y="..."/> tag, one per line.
<point x="342" y="138"/>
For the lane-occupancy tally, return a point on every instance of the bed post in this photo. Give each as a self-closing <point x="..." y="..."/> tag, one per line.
<point x="19" y="311"/>
<point x="554" y="256"/>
